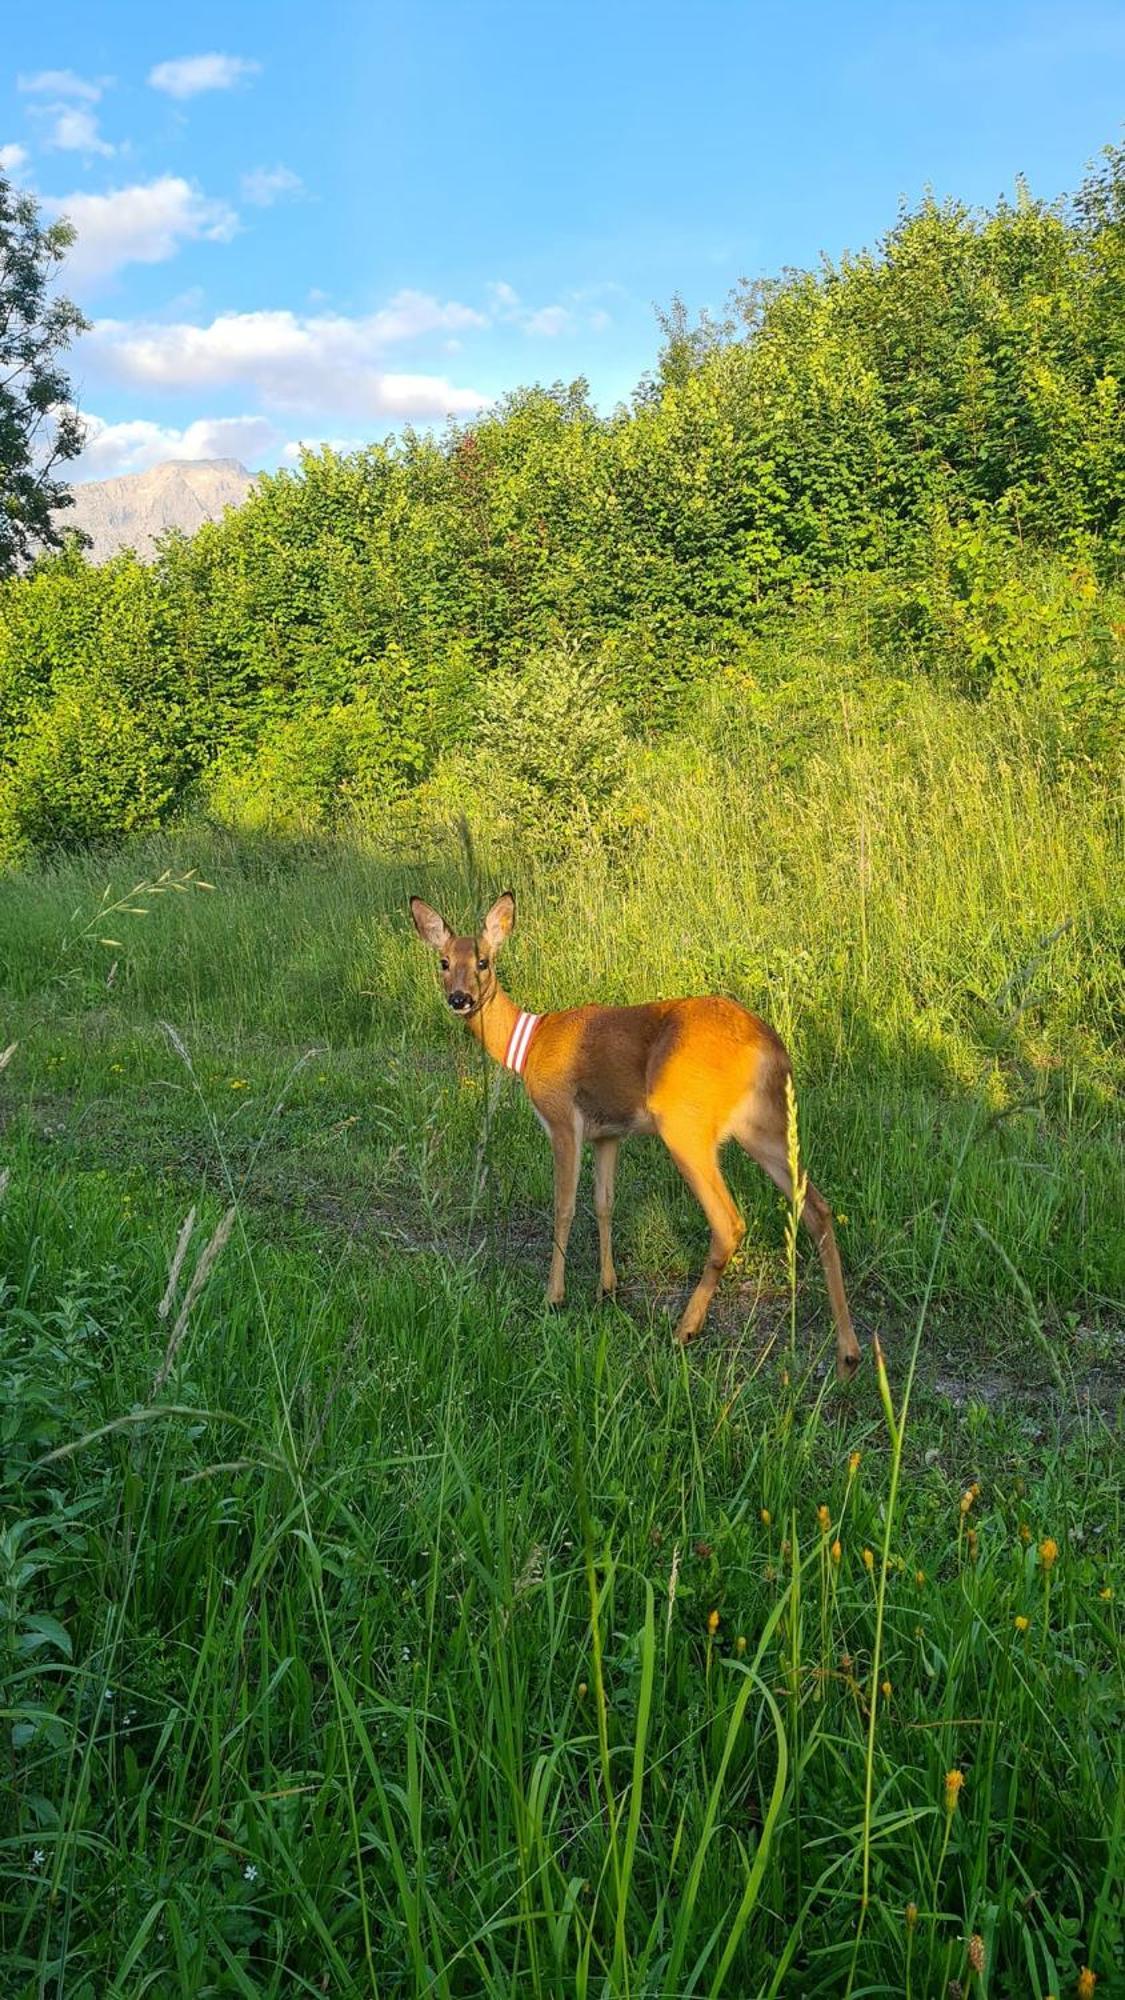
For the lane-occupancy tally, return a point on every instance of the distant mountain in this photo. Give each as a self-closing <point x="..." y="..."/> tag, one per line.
<point x="130" y="512"/>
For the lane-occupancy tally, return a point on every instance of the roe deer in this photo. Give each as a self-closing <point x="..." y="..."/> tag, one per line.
<point x="695" y="1072"/>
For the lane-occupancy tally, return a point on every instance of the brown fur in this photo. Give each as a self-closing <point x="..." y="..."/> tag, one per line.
<point x="695" y="1072"/>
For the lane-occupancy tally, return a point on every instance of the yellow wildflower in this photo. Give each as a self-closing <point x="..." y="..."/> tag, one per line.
<point x="868" y="1559"/>
<point x="740" y="1645"/>
<point x="583" y="1690"/>
<point x="919" y="1577"/>
<point x="1022" y="1623"/>
<point x="971" y="1539"/>
<point x="911" y="1915"/>
<point x="766" y="1516"/>
<point x="885" y="1690"/>
<point x="853" y="1463"/>
<point x="825" y="1519"/>
<point x="967" y="1498"/>
<point x="712" y="1623"/>
<point x="1048" y="1552"/>
<point x="1087" y="1981"/>
<point x="836" y="1552"/>
<point x="237" y="1083"/>
<point x="1106" y="1595"/>
<point x="953" y="1783"/>
<point x="1025" y="1533"/>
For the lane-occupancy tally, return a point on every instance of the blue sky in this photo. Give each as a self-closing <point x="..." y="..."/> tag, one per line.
<point x="301" y="222"/>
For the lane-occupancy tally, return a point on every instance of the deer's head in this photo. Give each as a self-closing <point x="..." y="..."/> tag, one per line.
<point x="467" y="963"/>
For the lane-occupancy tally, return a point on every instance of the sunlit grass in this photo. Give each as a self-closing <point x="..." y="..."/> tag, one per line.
<point x="367" y="1628"/>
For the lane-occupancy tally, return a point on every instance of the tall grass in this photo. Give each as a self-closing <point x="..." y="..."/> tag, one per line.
<point x="407" y="1638"/>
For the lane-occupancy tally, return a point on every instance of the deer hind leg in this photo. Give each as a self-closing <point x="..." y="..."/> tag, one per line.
<point x="771" y="1153"/>
<point x="699" y="1166"/>
<point x="605" y="1167"/>
<point x="566" y="1147"/>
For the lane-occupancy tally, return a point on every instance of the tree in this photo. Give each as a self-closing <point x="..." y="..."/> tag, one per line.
<point x="39" y="428"/>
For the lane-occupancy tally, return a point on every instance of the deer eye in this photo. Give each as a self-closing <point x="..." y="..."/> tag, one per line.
<point x="445" y="965"/>
<point x="482" y="965"/>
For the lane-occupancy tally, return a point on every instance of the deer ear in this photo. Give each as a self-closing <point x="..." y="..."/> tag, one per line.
<point x="431" y="928"/>
<point x="501" y="920"/>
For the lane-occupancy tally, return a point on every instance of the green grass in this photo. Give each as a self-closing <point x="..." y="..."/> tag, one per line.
<point x="371" y="1652"/>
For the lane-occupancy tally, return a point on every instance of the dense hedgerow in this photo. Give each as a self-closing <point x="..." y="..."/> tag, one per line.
<point x="934" y="430"/>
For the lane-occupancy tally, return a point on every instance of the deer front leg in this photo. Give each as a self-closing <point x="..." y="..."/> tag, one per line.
<point x="565" y="1145"/>
<point x="605" y="1167"/>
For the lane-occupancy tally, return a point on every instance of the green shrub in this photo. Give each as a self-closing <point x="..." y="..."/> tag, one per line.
<point x="88" y="767"/>
<point x="934" y="428"/>
<point x="314" y="768"/>
<point x="553" y="748"/>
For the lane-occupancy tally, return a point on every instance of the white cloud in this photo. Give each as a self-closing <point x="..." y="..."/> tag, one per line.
<point x="411" y="314"/>
<point x="12" y="159"/>
<point x="187" y="76"/>
<point x="63" y="83"/>
<point x="145" y="224"/>
<point x="546" y="322"/>
<point x="291" y="452"/>
<point x="549" y="320"/>
<point x="134" y="446"/>
<point x="76" y="131"/>
<point x="320" y="362"/>
<point x="265" y="185"/>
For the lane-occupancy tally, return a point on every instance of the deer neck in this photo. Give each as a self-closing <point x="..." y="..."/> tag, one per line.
<point x="493" y="1025"/>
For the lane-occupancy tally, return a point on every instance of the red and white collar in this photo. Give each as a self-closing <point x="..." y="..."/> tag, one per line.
<point x="519" y="1041"/>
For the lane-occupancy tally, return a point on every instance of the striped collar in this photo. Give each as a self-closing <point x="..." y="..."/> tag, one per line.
<point x="519" y="1041"/>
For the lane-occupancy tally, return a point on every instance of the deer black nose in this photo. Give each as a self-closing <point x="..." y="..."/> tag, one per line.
<point x="459" y="1001"/>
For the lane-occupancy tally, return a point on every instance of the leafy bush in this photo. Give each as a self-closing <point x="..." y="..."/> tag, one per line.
<point x="89" y="767"/>
<point x="936" y="425"/>
<point x="553" y="749"/>
<point x="994" y="623"/>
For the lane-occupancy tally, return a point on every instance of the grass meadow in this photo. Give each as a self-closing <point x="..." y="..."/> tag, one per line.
<point x="368" y="1629"/>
